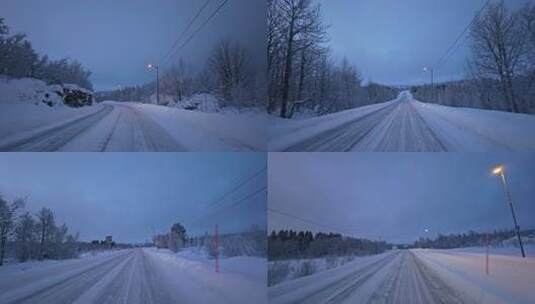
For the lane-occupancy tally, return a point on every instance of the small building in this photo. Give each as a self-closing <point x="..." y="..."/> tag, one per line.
<point x="108" y="241"/>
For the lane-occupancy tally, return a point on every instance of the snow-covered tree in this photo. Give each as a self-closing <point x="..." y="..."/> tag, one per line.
<point x="46" y="227"/>
<point x="177" y="81"/>
<point x="26" y="237"/>
<point x="7" y="222"/>
<point x="230" y="63"/>
<point x="302" y="76"/>
<point x="499" y="48"/>
<point x="18" y="59"/>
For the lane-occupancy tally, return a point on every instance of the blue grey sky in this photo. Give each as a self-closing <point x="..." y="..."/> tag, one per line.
<point x="390" y="41"/>
<point x="130" y="195"/>
<point x="117" y="39"/>
<point x="396" y="196"/>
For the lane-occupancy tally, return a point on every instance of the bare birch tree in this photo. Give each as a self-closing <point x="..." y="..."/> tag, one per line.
<point x="498" y="48"/>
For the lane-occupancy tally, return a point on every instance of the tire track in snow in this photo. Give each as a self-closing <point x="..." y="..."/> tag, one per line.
<point x="110" y="135"/>
<point x="398" y="127"/>
<point x="53" y="138"/>
<point x="345" y="136"/>
<point x="338" y="291"/>
<point x="69" y="288"/>
<point x="405" y="131"/>
<point x="155" y="137"/>
<point x="410" y="281"/>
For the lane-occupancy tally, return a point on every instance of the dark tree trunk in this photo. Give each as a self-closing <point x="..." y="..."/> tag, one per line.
<point x="301" y="76"/>
<point x="287" y="71"/>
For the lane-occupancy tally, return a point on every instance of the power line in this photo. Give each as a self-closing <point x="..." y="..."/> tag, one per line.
<point x="233" y="190"/>
<point x="453" y="47"/>
<point x="243" y="183"/>
<point x="214" y="13"/>
<point x="238" y="202"/>
<point x="183" y="33"/>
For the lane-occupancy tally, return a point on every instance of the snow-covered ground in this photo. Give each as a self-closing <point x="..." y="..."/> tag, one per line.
<point x="113" y="126"/>
<point x="135" y="276"/>
<point x="510" y="279"/>
<point x="417" y="276"/>
<point x="406" y="124"/>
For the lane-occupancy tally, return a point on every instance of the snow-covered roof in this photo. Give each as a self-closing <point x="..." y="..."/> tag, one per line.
<point x="75" y="87"/>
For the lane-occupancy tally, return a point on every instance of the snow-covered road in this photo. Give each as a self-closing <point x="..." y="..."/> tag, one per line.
<point x="406" y="124"/>
<point x="397" y="277"/>
<point x="113" y="126"/>
<point x="415" y="276"/>
<point x="128" y="276"/>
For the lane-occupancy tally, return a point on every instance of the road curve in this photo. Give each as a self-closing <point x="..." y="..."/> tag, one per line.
<point x="111" y="127"/>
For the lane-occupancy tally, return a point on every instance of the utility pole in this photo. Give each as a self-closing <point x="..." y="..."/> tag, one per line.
<point x="432" y="72"/>
<point x="155" y="66"/>
<point x="501" y="172"/>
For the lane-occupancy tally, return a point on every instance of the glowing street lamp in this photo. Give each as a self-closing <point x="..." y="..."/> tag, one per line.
<point x="500" y="171"/>
<point x="151" y="67"/>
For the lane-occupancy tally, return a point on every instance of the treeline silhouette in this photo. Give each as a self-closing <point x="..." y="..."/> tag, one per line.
<point x="18" y="59"/>
<point x="289" y="244"/>
<point x="472" y="239"/>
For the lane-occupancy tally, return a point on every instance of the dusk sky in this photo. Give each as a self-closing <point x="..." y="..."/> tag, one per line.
<point x="390" y="41"/>
<point x="117" y="39"/>
<point x="129" y="195"/>
<point x="396" y="196"/>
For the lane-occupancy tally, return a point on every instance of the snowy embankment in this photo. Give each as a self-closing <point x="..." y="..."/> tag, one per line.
<point x="284" y="133"/>
<point x="28" y="90"/>
<point x="190" y="272"/>
<point x="510" y="278"/>
<point x="479" y="130"/>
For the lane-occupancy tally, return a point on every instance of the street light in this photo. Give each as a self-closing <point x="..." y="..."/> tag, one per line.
<point x="150" y="67"/>
<point x="500" y="171"/>
<point x="430" y="69"/>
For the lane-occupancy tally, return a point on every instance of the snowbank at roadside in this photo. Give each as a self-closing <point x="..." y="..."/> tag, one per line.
<point x="249" y="266"/>
<point x="37" y="92"/>
<point x="193" y="273"/>
<point x="510" y="278"/>
<point x="28" y="90"/>
<point x="479" y="130"/>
